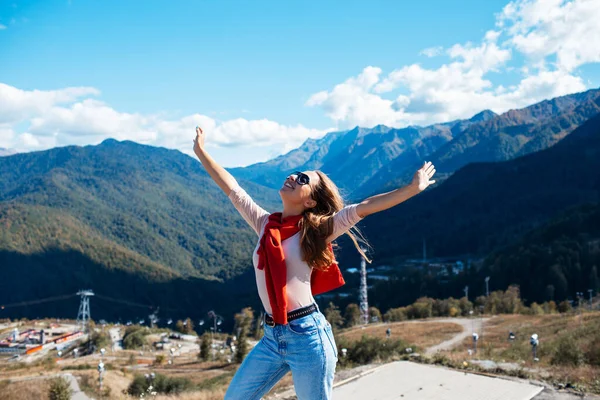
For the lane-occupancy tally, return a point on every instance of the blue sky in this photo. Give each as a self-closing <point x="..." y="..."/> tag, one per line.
<point x="264" y="76"/>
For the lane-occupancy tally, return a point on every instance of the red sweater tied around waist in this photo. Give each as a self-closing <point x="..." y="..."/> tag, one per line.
<point x="272" y="261"/>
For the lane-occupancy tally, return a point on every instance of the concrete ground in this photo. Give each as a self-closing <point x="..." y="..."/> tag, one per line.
<point x="411" y="381"/>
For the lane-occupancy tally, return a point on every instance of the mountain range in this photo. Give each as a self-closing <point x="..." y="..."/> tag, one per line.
<point x="150" y="226"/>
<point x="364" y="162"/>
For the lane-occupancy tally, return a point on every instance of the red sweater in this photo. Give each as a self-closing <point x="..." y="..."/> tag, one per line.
<point x="272" y="260"/>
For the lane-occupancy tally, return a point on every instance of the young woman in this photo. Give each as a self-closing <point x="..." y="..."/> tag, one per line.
<point x="293" y="260"/>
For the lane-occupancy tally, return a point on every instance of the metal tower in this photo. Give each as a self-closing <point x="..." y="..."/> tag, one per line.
<point x="83" y="316"/>
<point x="364" y="303"/>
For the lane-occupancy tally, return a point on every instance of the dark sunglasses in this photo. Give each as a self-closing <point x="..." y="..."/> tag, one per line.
<point x="301" y="178"/>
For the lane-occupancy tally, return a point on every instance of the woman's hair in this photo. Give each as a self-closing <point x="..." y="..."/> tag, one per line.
<point x="317" y="225"/>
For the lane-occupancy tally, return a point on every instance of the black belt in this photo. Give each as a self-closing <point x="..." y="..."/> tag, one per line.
<point x="292" y="315"/>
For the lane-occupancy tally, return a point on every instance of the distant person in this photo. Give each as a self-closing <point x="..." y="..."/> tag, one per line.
<point x="388" y="332"/>
<point x="293" y="260"/>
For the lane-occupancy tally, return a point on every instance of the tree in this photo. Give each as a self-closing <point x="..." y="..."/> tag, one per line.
<point x="564" y="306"/>
<point x="60" y="389"/>
<point x="186" y="327"/>
<point x="352" y="315"/>
<point x="333" y="315"/>
<point x="189" y="326"/>
<point x="242" y="347"/>
<point x="204" y="347"/>
<point x="374" y="314"/>
<point x="243" y="319"/>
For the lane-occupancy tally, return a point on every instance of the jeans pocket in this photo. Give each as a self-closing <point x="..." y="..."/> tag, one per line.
<point x="303" y="326"/>
<point x="329" y="334"/>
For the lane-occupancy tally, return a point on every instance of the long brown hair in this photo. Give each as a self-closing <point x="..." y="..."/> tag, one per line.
<point x="317" y="225"/>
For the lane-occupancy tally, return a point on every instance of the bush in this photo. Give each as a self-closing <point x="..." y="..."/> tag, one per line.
<point x="60" y="389"/>
<point x="593" y="352"/>
<point x="161" y="384"/>
<point x="369" y="349"/>
<point x="564" y="306"/>
<point x="352" y="315"/>
<point x="242" y="347"/>
<point x="374" y="314"/>
<point x="160" y="359"/>
<point x="567" y="352"/>
<point x="204" y="347"/>
<point x="100" y="340"/>
<point x="134" y="339"/>
<point x="395" y="315"/>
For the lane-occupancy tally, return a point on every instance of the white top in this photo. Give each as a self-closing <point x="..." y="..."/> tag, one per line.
<point x="298" y="271"/>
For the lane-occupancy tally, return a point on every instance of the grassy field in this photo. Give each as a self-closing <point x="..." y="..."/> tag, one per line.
<point x="210" y="380"/>
<point x="420" y="333"/>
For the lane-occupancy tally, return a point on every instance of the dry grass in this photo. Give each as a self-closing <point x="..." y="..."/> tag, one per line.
<point x="25" y="390"/>
<point x="494" y="342"/>
<point x="419" y="333"/>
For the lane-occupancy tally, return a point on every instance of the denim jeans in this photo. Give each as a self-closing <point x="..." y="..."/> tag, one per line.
<point x="305" y="346"/>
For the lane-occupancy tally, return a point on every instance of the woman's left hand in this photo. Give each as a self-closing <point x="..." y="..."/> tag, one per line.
<point x="422" y="177"/>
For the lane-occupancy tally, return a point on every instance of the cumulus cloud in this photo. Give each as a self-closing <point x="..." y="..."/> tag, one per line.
<point x="566" y="30"/>
<point x="549" y="33"/>
<point x="70" y="116"/>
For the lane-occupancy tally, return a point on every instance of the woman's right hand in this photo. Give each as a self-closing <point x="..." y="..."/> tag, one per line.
<point x="199" y="141"/>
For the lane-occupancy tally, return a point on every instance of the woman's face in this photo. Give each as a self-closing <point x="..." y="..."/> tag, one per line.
<point x="294" y="193"/>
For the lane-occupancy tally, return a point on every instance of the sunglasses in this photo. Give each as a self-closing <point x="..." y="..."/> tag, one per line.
<point x="301" y="178"/>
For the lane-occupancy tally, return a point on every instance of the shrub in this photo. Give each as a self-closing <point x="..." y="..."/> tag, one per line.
<point x="161" y="384"/>
<point x="567" y="352"/>
<point x="60" y="389"/>
<point x="593" y="352"/>
<point x="395" y="315"/>
<point x="369" y="349"/>
<point x="204" y="347"/>
<point x="134" y="339"/>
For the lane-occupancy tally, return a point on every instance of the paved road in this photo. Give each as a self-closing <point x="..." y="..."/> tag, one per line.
<point x="469" y="325"/>
<point x="410" y="381"/>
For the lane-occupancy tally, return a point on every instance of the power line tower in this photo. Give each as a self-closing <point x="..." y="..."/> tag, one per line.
<point x="83" y="316"/>
<point x="364" y="302"/>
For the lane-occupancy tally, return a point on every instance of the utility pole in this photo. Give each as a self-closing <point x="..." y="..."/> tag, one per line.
<point x="362" y="297"/>
<point x="487" y="286"/>
<point x="466" y="290"/>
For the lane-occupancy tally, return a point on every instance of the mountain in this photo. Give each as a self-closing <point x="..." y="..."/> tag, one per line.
<point x="158" y="203"/>
<point x="554" y="261"/>
<point x="503" y="137"/>
<point x="364" y="162"/>
<point x="487" y="205"/>
<point x="120" y="214"/>
<point x="353" y="157"/>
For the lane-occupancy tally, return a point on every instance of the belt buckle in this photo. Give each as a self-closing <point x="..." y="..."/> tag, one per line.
<point x="271" y="324"/>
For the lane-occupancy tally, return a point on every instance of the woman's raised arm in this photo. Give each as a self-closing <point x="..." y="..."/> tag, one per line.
<point x="421" y="180"/>
<point x="219" y="174"/>
<point x="254" y="214"/>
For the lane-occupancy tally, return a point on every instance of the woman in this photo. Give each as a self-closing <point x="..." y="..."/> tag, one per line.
<point x="293" y="261"/>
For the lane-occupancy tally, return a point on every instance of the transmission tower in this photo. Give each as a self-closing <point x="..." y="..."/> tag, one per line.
<point x="364" y="302"/>
<point x="83" y="316"/>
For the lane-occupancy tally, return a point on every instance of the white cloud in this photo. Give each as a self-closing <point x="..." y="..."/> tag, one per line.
<point x="432" y="51"/>
<point x="566" y="30"/>
<point x="17" y="105"/>
<point x="541" y="30"/>
<point x="66" y="116"/>
<point x="2" y="27"/>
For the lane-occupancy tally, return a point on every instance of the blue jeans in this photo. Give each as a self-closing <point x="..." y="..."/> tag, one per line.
<point x="305" y="346"/>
